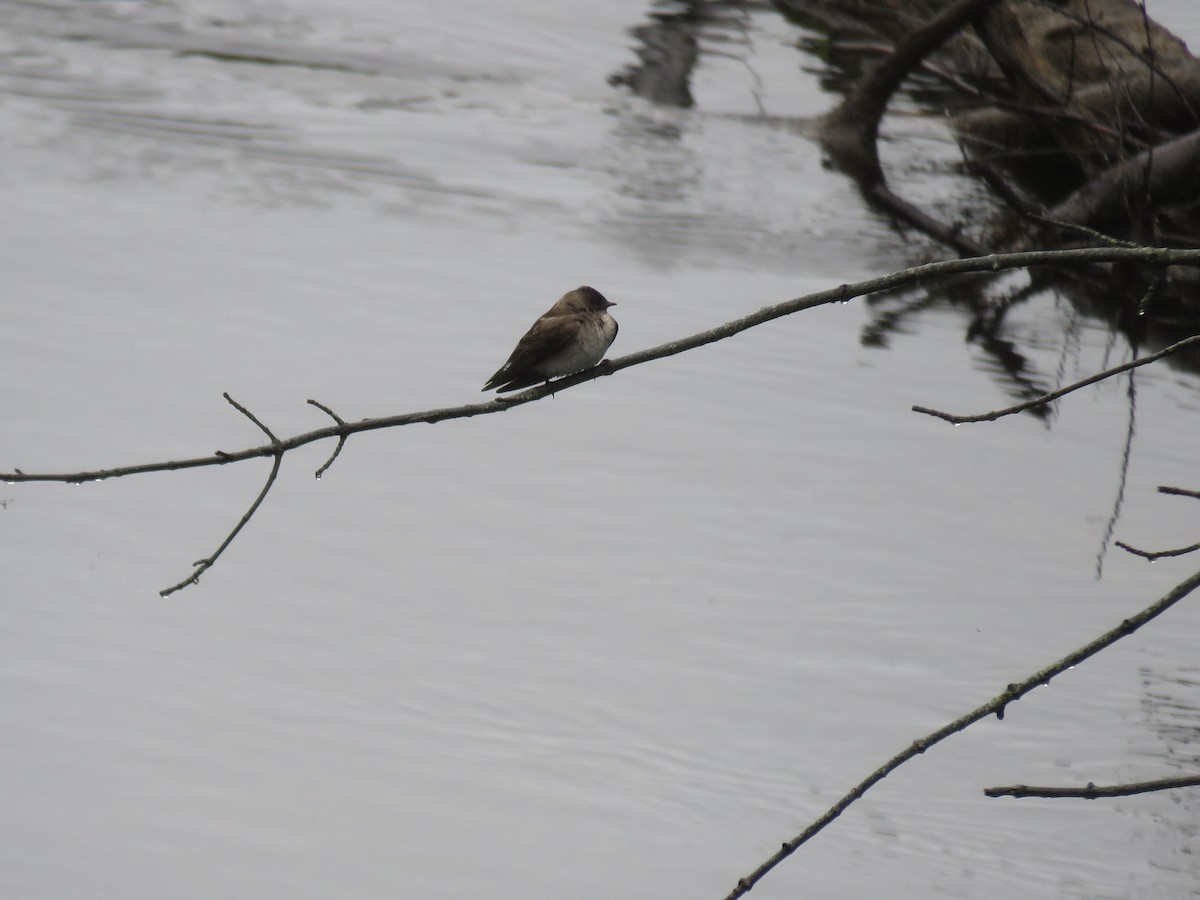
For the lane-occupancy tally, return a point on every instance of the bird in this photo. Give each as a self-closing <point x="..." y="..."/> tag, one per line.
<point x="570" y="336"/>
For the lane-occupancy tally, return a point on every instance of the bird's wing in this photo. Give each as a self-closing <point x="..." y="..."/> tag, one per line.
<point x="548" y="336"/>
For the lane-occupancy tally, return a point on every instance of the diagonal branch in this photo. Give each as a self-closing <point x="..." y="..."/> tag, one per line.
<point x="1054" y="395"/>
<point x="994" y="706"/>
<point x="276" y="448"/>
<point x="1152" y="256"/>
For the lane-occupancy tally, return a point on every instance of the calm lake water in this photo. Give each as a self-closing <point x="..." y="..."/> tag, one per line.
<point x="620" y="643"/>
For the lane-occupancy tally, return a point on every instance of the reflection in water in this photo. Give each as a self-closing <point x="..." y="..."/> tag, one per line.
<point x="674" y="187"/>
<point x="987" y="304"/>
<point x="716" y="163"/>
<point x="1172" y="714"/>
<point x="681" y="35"/>
<point x="233" y="122"/>
<point x="666" y="51"/>
<point x="1110" y="526"/>
<point x="659" y="167"/>
<point x="223" y="40"/>
<point x="986" y="310"/>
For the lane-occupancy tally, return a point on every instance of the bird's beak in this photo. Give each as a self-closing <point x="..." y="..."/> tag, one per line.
<point x="609" y="303"/>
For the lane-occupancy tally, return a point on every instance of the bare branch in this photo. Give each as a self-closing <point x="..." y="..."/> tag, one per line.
<point x="249" y="415"/>
<point x="1054" y="395"/>
<point x="1152" y="256"/>
<point x="276" y="448"/>
<point x="994" y="706"/>
<point x="1094" y="234"/>
<point x="203" y="565"/>
<point x="1179" y="492"/>
<point x="341" y="439"/>
<point x="1091" y="792"/>
<point x="1152" y="555"/>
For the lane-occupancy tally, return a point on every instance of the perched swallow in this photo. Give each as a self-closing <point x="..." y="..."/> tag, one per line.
<point x="573" y="335"/>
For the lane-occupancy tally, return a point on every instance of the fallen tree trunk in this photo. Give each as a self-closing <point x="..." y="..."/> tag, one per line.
<point x="1154" y="179"/>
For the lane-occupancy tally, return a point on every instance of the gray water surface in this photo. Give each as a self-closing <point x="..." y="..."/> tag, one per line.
<point x="620" y="643"/>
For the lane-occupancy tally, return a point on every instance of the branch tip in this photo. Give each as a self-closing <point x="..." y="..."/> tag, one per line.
<point x="1094" y="791"/>
<point x="1152" y="555"/>
<point x="249" y="415"/>
<point x="1162" y="489"/>
<point x="329" y="412"/>
<point x="1045" y="399"/>
<point x="341" y="438"/>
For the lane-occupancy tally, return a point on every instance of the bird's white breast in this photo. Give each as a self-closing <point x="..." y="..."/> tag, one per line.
<point x="594" y="339"/>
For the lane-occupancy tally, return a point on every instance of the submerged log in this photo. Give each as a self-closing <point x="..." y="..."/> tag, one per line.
<point x="1082" y="116"/>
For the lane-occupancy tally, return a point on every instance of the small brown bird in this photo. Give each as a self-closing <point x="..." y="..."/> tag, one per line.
<point x="571" y="336"/>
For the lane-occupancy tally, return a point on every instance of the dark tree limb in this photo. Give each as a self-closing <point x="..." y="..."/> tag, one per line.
<point x="1092" y="791"/>
<point x="995" y="706"/>
<point x="1054" y="395"/>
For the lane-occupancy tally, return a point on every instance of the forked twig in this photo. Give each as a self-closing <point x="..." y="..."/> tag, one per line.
<point x="1054" y="395"/>
<point x="341" y="437"/>
<point x="1152" y="555"/>
<point x="203" y="565"/>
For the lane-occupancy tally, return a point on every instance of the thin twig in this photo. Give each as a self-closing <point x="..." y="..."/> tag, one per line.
<point x="1054" y="395"/>
<point x="341" y="439"/>
<point x="994" y="706"/>
<point x="1152" y="555"/>
<point x="1092" y="791"/>
<point x="1093" y="233"/>
<point x="1178" y="492"/>
<point x="249" y="415"/>
<point x="203" y="565"/>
